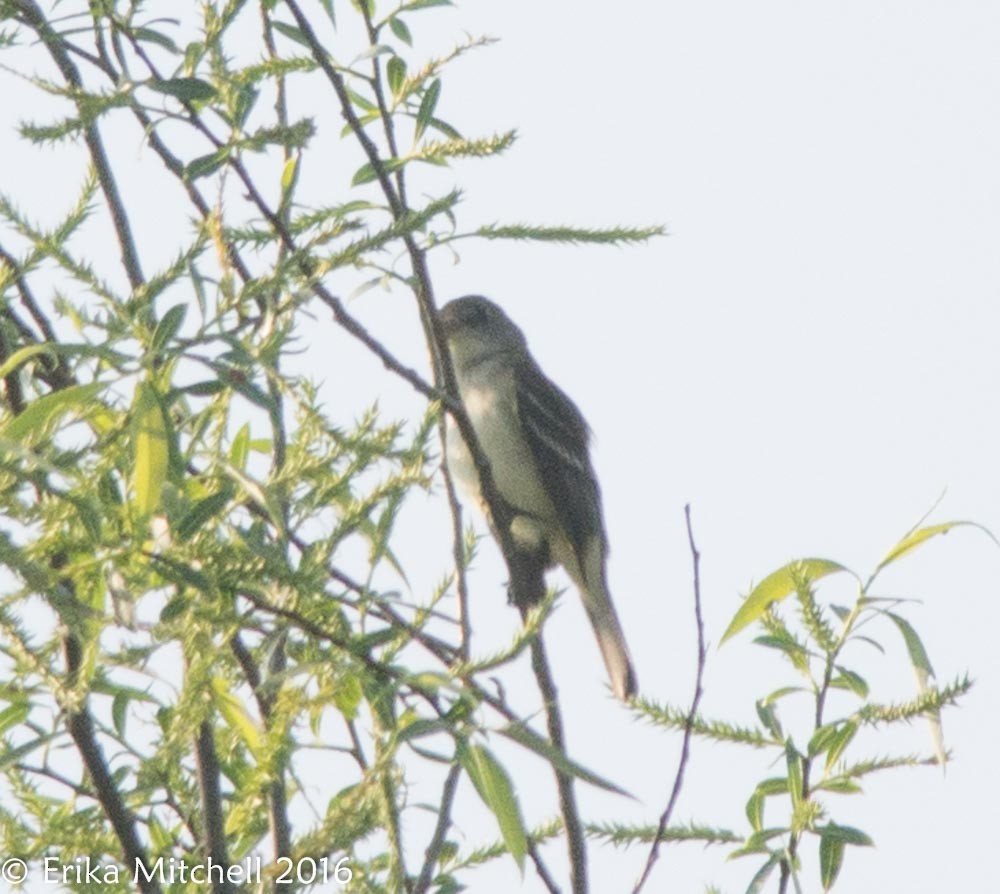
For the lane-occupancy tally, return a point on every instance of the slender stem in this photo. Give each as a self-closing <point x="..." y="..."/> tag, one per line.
<point x="675" y="791"/>
<point x="575" y="837"/>
<point x="92" y="137"/>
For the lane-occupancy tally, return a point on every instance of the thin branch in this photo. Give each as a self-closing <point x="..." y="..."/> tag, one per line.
<point x="433" y="852"/>
<point x="92" y="136"/>
<point x="81" y="730"/>
<point x="281" y="832"/>
<point x="575" y="837"/>
<point x="654" y="851"/>
<point x="214" y="842"/>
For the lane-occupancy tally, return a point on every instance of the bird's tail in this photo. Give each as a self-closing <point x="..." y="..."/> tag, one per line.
<point x="604" y="619"/>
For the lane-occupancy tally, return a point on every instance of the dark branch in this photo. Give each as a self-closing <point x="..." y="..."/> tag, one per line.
<point x="654" y="851"/>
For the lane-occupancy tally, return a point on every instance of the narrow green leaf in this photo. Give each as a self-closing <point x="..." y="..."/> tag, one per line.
<point x="150" y="36"/>
<point x="43" y="412"/>
<point x="762" y="875"/>
<point x="235" y="714"/>
<point x="401" y="31"/>
<point x="425" y="4"/>
<point x="914" y="645"/>
<point x="174" y="609"/>
<point x="921" y="535"/>
<point x="768" y="715"/>
<point x="240" y="450"/>
<point x="823" y="738"/>
<point x="493" y="785"/>
<point x="531" y="740"/>
<point x="187" y="89"/>
<point x="289" y="175"/>
<point x="22" y="355"/>
<point x="202" y="512"/>
<point x="119" y="711"/>
<point x="775" y="587"/>
<point x="151" y="453"/>
<point x="13" y="715"/>
<point x="205" y="165"/>
<point x="292" y="33"/>
<point x="846" y="834"/>
<point x="848" y="679"/>
<point x="396" y="72"/>
<point x="428" y="102"/>
<point x="755" y="811"/>
<point x="831" y="858"/>
<point x="923" y="670"/>
<point x="167" y="328"/>
<point x="794" y="762"/>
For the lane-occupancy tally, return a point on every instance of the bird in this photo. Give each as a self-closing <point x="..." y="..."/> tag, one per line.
<point x="537" y="444"/>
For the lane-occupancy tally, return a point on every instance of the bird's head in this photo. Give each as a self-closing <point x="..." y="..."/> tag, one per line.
<point x="477" y="328"/>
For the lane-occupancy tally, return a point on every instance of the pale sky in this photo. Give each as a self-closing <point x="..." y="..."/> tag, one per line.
<point x="810" y="359"/>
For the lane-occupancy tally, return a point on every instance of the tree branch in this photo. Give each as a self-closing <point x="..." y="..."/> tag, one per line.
<point x="654" y="851"/>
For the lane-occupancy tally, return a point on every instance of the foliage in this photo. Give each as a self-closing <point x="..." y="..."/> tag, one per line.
<point x="813" y="756"/>
<point x="203" y="600"/>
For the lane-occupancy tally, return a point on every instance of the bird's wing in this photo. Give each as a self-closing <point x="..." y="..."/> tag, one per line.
<point x="557" y="436"/>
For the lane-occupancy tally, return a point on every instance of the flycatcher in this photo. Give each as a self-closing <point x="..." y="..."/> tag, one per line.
<point x="536" y="441"/>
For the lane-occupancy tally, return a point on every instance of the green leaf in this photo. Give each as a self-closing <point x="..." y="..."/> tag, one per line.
<point x="846" y="834"/>
<point x="167" y="328"/>
<point x="921" y="535"/>
<point x="755" y="811"/>
<point x="914" y="645"/>
<point x="396" y="72"/>
<point x="205" y="165"/>
<point x="347" y="696"/>
<point x="151" y="452"/>
<point x="769" y="717"/>
<point x="151" y="36"/>
<point x="923" y="670"/>
<point x="425" y="4"/>
<point x="119" y="711"/>
<point x="202" y="512"/>
<point x="776" y="586"/>
<point x="13" y="715"/>
<point x="848" y="679"/>
<point x="186" y="89"/>
<point x="289" y="175"/>
<point x="401" y="31"/>
<point x="41" y="413"/>
<point x="762" y="875"/>
<point x="22" y="355"/>
<point x="823" y="738"/>
<point x="531" y="740"/>
<point x="493" y="785"/>
<point x="174" y="609"/>
<point x="428" y="102"/>
<point x="240" y="450"/>
<point x="794" y="762"/>
<point x="367" y="173"/>
<point x="831" y="858"/>
<point x="235" y="714"/>
<point x="292" y="33"/>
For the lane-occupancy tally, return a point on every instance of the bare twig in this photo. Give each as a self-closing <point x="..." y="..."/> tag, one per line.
<point x="654" y="851"/>
<point x="433" y="852"/>
<point x="575" y="838"/>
